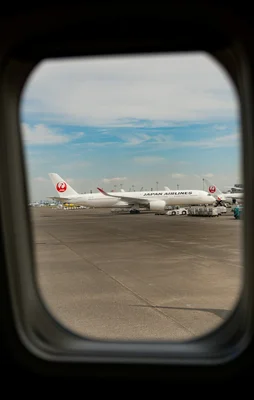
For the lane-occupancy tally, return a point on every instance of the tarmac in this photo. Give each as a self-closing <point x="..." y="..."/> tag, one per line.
<point x="137" y="277"/>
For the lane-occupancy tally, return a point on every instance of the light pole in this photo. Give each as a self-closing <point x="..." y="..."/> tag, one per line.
<point x="157" y="185"/>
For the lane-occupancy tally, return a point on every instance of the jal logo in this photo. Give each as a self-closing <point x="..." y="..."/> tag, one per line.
<point x="212" y="189"/>
<point x="61" y="187"/>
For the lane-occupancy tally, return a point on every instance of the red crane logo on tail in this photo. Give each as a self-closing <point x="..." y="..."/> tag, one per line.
<point x="61" y="187"/>
<point x="212" y="189"/>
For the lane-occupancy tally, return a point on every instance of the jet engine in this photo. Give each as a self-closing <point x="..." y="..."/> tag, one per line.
<point x="157" y="205"/>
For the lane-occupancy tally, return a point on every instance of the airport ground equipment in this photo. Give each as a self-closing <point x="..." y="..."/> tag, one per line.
<point x="203" y="212"/>
<point x="221" y="210"/>
<point x="178" y="211"/>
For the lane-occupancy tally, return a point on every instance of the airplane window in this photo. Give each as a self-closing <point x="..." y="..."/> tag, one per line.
<point x="122" y="163"/>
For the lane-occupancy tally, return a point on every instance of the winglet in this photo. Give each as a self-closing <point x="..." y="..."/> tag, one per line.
<point x="102" y="191"/>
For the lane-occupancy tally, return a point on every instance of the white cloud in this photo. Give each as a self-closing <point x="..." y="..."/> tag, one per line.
<point x="220" y="127"/>
<point x="213" y="142"/>
<point x="178" y="176"/>
<point x="146" y="160"/>
<point x="41" y="134"/>
<point x="117" y="91"/>
<point x="220" y="141"/>
<point x="135" y="139"/>
<point x="209" y="175"/>
<point x="183" y="162"/>
<point x="108" y="180"/>
<point x="164" y="142"/>
<point x="79" y="134"/>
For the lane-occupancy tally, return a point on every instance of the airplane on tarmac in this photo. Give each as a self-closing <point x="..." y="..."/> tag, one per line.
<point x="159" y="200"/>
<point x="151" y="200"/>
<point x="238" y="187"/>
<point x="230" y="198"/>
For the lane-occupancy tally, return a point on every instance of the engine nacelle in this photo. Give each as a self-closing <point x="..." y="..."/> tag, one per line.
<point x="157" y="205"/>
<point x="121" y="204"/>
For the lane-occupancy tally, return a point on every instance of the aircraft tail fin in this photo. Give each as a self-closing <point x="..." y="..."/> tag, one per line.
<point x="214" y="190"/>
<point x="62" y="187"/>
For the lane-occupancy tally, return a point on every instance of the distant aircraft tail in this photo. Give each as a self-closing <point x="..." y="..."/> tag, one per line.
<point x="61" y="186"/>
<point x="214" y="190"/>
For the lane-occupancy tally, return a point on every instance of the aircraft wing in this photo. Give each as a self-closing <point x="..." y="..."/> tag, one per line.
<point x="62" y="199"/>
<point x="131" y="200"/>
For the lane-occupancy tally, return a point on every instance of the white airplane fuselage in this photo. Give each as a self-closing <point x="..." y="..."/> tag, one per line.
<point x="177" y="197"/>
<point x="229" y="197"/>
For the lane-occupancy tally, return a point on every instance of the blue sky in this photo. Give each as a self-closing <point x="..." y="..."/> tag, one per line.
<point x="130" y="121"/>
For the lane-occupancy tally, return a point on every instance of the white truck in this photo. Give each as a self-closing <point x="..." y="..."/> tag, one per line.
<point x="178" y="211"/>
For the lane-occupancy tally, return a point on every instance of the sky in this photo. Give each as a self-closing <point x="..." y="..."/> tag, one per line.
<point x="130" y="122"/>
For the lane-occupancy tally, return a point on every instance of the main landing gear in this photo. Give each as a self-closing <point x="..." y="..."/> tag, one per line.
<point x="133" y="211"/>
